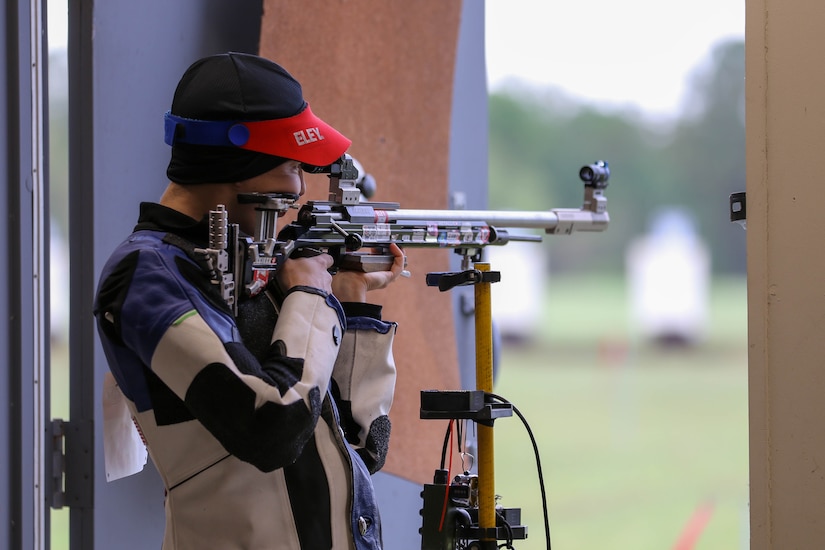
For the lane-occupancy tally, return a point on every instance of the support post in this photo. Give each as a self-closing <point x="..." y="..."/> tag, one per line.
<point x="484" y="382"/>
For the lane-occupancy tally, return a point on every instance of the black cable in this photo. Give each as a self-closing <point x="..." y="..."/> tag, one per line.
<point x="446" y="445"/>
<point x="508" y="543"/>
<point x="538" y="464"/>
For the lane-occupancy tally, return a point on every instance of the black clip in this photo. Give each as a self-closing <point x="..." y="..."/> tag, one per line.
<point x="447" y="280"/>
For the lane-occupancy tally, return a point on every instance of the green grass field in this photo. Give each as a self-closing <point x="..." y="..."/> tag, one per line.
<point x="633" y="440"/>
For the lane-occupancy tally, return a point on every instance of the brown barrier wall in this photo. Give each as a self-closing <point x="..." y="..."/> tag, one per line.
<point x="381" y="72"/>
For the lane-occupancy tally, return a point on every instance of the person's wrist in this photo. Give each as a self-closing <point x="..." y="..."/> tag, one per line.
<point x="348" y="287"/>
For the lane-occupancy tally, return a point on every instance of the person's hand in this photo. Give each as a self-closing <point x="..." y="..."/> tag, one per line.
<point x="312" y="271"/>
<point x="352" y="286"/>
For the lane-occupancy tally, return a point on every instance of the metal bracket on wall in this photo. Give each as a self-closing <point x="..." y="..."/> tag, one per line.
<point x="738" y="209"/>
<point x="72" y="449"/>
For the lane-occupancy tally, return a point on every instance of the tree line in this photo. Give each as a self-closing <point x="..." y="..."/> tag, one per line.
<point x="540" y="139"/>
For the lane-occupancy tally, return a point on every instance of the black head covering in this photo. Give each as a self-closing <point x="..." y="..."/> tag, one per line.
<point x="231" y="86"/>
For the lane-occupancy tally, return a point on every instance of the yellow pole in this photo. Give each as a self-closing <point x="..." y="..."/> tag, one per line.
<point x="484" y="382"/>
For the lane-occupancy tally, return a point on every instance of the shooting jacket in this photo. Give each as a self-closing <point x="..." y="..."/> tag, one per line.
<point x="265" y="433"/>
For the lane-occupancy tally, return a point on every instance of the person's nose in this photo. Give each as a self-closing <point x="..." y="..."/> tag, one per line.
<point x="303" y="184"/>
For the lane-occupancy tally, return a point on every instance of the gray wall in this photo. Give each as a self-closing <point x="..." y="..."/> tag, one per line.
<point x="121" y="83"/>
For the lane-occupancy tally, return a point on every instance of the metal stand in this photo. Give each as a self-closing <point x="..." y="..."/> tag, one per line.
<point x="462" y="514"/>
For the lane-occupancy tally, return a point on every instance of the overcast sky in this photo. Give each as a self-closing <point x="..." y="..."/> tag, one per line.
<point x="637" y="52"/>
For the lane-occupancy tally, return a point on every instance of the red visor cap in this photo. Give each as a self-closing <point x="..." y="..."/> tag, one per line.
<point x="303" y="137"/>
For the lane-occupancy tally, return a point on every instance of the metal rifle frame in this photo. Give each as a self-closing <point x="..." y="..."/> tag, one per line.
<point x="357" y="233"/>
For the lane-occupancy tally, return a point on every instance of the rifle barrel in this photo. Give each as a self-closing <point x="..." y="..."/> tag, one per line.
<point x="503" y="218"/>
<point x="559" y="221"/>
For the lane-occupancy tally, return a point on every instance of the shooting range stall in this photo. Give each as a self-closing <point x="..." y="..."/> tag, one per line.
<point x="116" y="48"/>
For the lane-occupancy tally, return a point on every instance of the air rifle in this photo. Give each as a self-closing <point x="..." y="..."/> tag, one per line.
<point x="358" y="232"/>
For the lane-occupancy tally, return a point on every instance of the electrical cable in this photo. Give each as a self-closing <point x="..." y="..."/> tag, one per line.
<point x="446" y="444"/>
<point x="447" y="488"/>
<point x="459" y="435"/>
<point x="508" y="543"/>
<point x="538" y="464"/>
